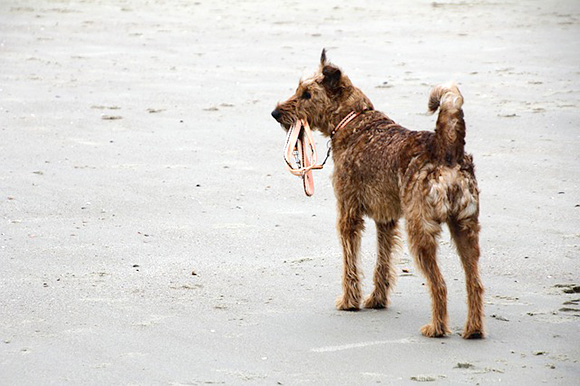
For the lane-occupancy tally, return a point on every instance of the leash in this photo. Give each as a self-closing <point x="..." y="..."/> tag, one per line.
<point x="301" y="148"/>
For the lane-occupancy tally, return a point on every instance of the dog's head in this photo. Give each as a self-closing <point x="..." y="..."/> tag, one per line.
<point x="323" y="99"/>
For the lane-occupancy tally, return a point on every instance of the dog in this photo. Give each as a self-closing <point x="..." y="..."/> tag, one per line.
<point x="386" y="172"/>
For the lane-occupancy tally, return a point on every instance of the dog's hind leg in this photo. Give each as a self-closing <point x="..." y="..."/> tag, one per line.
<point x="350" y="227"/>
<point x="384" y="276"/>
<point x="423" y="234"/>
<point x="465" y="234"/>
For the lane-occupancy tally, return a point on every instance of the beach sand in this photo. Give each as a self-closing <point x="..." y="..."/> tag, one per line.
<point x="151" y="235"/>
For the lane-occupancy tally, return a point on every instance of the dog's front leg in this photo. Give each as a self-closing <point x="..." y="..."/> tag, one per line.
<point x="350" y="227"/>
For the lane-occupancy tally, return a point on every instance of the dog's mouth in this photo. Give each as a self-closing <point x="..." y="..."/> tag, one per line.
<point x="285" y="126"/>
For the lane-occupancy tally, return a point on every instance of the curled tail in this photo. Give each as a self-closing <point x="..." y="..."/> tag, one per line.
<point x="450" y="129"/>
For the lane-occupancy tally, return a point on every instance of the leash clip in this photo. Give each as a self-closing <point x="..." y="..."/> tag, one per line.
<point x="297" y="158"/>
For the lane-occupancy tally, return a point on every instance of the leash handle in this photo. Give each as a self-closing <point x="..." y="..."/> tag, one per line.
<point x="300" y="146"/>
<point x="299" y="140"/>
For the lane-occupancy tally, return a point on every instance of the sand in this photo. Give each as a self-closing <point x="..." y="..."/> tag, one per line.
<point x="151" y="235"/>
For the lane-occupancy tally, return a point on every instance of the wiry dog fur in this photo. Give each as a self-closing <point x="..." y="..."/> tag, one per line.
<point x="385" y="172"/>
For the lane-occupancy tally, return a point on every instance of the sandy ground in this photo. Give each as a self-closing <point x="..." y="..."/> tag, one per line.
<point x="150" y="234"/>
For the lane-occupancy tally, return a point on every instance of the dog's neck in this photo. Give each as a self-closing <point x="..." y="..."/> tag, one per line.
<point x="345" y="121"/>
<point x="354" y="103"/>
<point x="342" y="120"/>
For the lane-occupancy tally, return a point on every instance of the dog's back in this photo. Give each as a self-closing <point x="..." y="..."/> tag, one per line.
<point x="381" y="164"/>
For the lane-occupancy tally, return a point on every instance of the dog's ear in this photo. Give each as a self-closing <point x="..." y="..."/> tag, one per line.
<point x="323" y="60"/>
<point x="331" y="78"/>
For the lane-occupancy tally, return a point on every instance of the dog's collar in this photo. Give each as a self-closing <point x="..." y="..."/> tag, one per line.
<point x="346" y="120"/>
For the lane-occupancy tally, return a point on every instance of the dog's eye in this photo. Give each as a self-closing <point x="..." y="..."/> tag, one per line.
<point x="306" y="95"/>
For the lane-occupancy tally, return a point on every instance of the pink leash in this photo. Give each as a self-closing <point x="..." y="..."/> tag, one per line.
<point x="300" y="146"/>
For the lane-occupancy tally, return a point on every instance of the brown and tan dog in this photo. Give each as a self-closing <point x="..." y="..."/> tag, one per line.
<point x="385" y="172"/>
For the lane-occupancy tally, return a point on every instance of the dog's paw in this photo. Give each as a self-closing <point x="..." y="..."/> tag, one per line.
<point x="473" y="333"/>
<point x="431" y="331"/>
<point x="375" y="302"/>
<point x="347" y="304"/>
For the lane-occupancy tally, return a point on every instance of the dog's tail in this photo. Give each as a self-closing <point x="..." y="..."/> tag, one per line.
<point x="450" y="129"/>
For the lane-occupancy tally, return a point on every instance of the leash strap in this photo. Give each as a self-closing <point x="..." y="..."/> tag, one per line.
<point x="300" y="147"/>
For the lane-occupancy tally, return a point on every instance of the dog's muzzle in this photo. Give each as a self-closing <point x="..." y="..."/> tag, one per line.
<point x="277" y="114"/>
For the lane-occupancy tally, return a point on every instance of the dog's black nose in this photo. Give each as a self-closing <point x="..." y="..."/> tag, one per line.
<point x="276" y="114"/>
